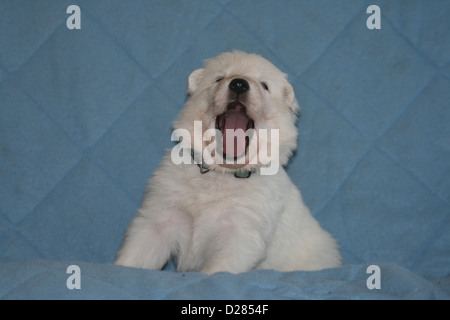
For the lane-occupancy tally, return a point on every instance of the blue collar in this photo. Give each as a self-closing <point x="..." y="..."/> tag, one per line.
<point x="204" y="168"/>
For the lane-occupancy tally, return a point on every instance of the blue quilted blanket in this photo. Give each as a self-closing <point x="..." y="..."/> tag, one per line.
<point x="88" y="94"/>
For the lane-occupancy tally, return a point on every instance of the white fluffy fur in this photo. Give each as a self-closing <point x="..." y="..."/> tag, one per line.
<point x="215" y="222"/>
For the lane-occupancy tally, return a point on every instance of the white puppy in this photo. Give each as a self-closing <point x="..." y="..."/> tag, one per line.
<point x="223" y="212"/>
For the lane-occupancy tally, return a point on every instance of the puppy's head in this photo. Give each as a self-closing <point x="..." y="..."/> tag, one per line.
<point x="245" y="93"/>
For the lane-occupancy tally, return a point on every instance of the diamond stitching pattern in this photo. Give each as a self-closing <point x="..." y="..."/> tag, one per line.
<point x="90" y="109"/>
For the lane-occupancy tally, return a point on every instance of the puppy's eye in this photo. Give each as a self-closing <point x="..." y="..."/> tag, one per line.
<point x="265" y="86"/>
<point x="219" y="79"/>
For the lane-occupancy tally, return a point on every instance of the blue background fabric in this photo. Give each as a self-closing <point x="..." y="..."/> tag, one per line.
<point x="85" y="118"/>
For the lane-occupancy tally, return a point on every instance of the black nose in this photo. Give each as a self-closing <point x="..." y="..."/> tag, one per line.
<point x="239" y="86"/>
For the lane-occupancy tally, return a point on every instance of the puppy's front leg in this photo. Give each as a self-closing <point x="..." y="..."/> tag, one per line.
<point x="152" y="237"/>
<point x="235" y="257"/>
<point x="234" y="249"/>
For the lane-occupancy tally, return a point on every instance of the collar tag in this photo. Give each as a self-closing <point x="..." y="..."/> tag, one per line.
<point x="243" y="174"/>
<point x="204" y="168"/>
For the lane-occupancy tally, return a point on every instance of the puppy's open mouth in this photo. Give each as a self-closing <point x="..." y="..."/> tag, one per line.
<point x="229" y="123"/>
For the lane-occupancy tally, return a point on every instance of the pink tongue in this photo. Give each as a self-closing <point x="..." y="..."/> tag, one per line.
<point x="235" y="120"/>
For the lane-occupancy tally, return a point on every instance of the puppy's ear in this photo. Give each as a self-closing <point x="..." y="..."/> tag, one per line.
<point x="289" y="97"/>
<point x="194" y="80"/>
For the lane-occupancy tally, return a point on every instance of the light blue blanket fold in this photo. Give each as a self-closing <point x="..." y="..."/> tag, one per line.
<point x="43" y="279"/>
